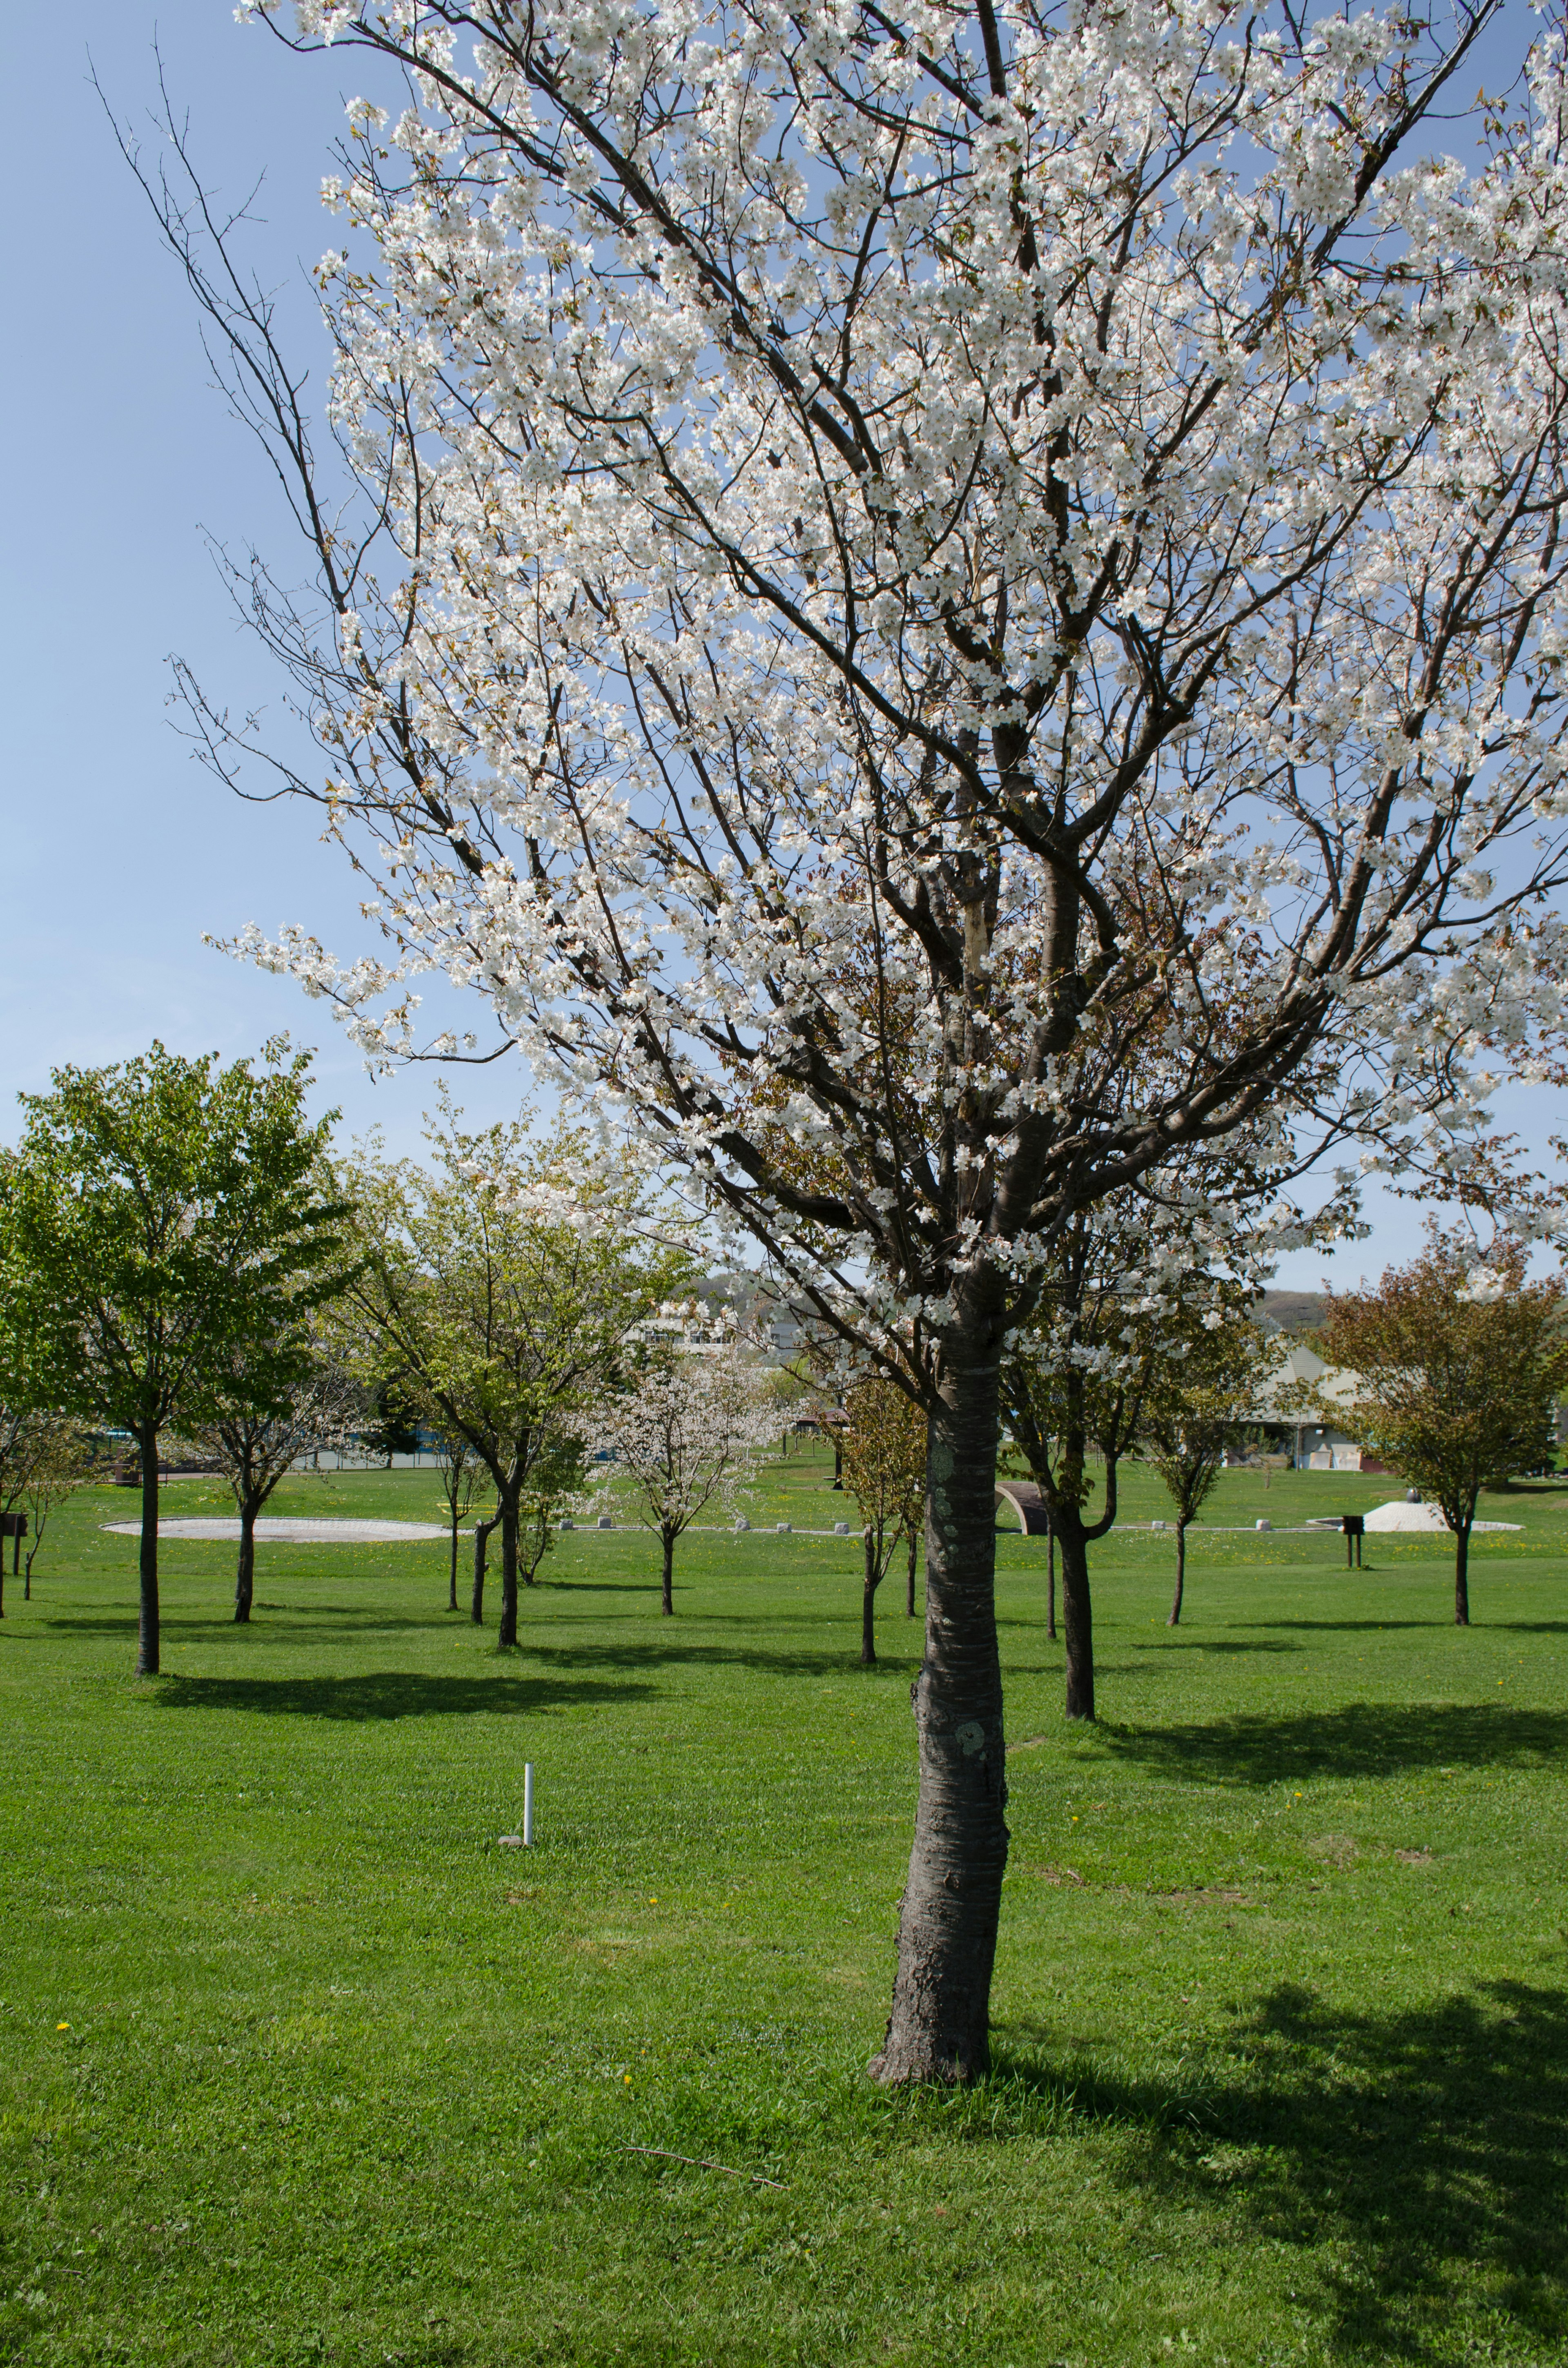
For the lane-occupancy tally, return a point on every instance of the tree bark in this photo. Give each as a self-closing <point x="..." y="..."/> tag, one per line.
<point x="509" y="1631"/>
<point x="147" y="1625"/>
<point x="1174" y="1620"/>
<point x="244" y="1582"/>
<point x="938" y="2029"/>
<point x="1462" y="1574"/>
<point x="481" y="1542"/>
<point x="1077" y="1615"/>
<point x="667" y="1602"/>
<point x="869" y="1601"/>
<point x="452" y="1585"/>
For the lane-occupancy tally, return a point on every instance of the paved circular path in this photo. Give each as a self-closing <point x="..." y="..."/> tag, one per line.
<point x="295" y="1533"/>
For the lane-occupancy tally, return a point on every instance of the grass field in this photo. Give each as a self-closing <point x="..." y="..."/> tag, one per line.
<point x="297" y="2062"/>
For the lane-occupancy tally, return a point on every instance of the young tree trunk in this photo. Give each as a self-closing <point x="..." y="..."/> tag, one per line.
<point x="838" y="1464"/>
<point x="667" y="1604"/>
<point x="1461" y="1574"/>
<point x="909" y="1575"/>
<point x="1077" y="1616"/>
<point x="1050" y="1582"/>
<point x="869" y="1599"/>
<point x="481" y="1544"/>
<point x="452" y="1584"/>
<point x="508" y="1634"/>
<point x="244" y="1582"/>
<point x="1174" y="1620"/>
<point x="938" y="2029"/>
<point x="147" y="1632"/>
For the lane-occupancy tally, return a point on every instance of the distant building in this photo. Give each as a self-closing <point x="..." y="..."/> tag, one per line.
<point x="1312" y="1444"/>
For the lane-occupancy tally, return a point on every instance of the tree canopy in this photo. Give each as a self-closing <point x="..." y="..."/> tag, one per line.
<point x="159" y="1216"/>
<point x="1457" y="1360"/>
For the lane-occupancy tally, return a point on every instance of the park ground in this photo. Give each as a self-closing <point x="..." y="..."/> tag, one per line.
<point x="296" y="2062"/>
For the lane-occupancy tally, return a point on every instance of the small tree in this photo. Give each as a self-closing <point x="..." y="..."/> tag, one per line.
<point x="270" y="1403"/>
<point x="498" y="1290"/>
<point x="884" y="1471"/>
<point x="463" y="1479"/>
<point x="43" y="1456"/>
<point x="64" y="1456"/>
<point x="1457" y="1360"/>
<point x="684" y="1438"/>
<point x="1199" y="1388"/>
<point x="160" y="1216"/>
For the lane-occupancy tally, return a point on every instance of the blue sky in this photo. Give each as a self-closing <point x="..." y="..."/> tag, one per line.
<point x="120" y="852"/>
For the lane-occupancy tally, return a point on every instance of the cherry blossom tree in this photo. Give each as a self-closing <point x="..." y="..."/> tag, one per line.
<point x="877" y="562"/>
<point x="684" y="1440"/>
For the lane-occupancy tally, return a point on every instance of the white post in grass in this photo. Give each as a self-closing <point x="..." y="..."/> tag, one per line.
<point x="527" y="1803"/>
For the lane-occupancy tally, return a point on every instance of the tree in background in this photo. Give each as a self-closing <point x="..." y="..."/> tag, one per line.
<point x="388" y="1424"/>
<point x="1149" y="1264"/>
<point x="1058" y="508"/>
<point x="463" y="1479"/>
<point x="1458" y="1361"/>
<point x="44" y="1457"/>
<point x="884" y="1471"/>
<point x="685" y="1437"/>
<point x="267" y="1402"/>
<point x="500" y="1287"/>
<point x="159" y="1217"/>
<point x="1203" y="1384"/>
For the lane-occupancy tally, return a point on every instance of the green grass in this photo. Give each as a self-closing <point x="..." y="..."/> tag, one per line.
<point x="1281" y="2000"/>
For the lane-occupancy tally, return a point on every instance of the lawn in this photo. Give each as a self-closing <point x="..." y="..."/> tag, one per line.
<point x="296" y="2062"/>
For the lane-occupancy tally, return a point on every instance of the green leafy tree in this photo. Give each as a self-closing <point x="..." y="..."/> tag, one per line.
<point x="158" y="1216"/>
<point x="1457" y="1362"/>
<point x="499" y="1289"/>
<point x="1200" y="1389"/>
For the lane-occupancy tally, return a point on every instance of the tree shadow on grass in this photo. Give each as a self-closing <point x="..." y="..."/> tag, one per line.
<point x="1422" y="2156"/>
<point x="1205" y="1645"/>
<point x="658" y="1648"/>
<point x="1357" y="1740"/>
<point x="391" y="1693"/>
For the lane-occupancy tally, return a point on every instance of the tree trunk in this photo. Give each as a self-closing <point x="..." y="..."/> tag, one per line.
<point x="244" y="1583"/>
<point x="147" y="1631"/>
<point x="1462" y="1574"/>
<point x="452" y="1584"/>
<point x="1050" y="1582"/>
<point x="1077" y="1616"/>
<point x="509" y="1630"/>
<point x="938" y="2029"/>
<point x="869" y="1599"/>
<point x="909" y="1575"/>
<point x="481" y="1542"/>
<point x="667" y="1604"/>
<point x="1174" y="1620"/>
<point x="838" y="1466"/>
